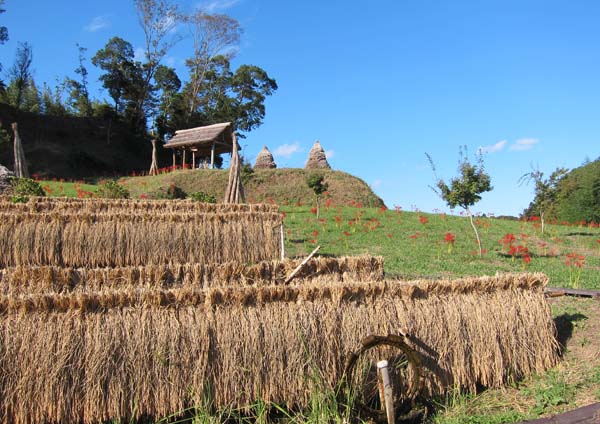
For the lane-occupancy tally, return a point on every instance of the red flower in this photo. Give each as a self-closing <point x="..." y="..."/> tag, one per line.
<point x="313" y="210"/>
<point x="315" y="233"/>
<point x="423" y="220"/>
<point x="346" y="233"/>
<point x="449" y="238"/>
<point x="527" y="258"/>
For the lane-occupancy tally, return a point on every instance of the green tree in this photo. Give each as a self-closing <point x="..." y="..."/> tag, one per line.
<point x="158" y="20"/>
<point x="545" y="190"/>
<point x="316" y="182"/>
<point x="168" y="85"/>
<point x="3" y="35"/>
<point x="79" y="97"/>
<point x="20" y="74"/>
<point x="464" y="190"/>
<point x="121" y="72"/>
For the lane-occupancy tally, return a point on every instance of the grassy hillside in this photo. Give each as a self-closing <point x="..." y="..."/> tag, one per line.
<point x="281" y="186"/>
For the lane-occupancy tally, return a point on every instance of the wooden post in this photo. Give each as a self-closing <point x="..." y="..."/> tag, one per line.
<point x="20" y="170"/>
<point x="154" y="164"/>
<point x="193" y="159"/>
<point x="212" y="155"/>
<point x="388" y="391"/>
<point x="282" y="243"/>
<point x="183" y="162"/>
<point x="174" y="163"/>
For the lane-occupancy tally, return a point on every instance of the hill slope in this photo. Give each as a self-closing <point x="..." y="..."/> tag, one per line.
<point x="282" y="186"/>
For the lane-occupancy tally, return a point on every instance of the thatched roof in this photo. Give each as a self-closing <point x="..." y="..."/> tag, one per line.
<point x="317" y="158"/>
<point x="265" y="160"/>
<point x="202" y="138"/>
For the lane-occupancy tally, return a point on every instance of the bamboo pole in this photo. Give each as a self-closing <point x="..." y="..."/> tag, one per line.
<point x="388" y="391"/>
<point x="302" y="264"/>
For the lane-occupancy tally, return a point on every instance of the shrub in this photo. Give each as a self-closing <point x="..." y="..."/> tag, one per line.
<point x="172" y="192"/>
<point x="201" y="196"/>
<point x="26" y="187"/>
<point x="112" y="190"/>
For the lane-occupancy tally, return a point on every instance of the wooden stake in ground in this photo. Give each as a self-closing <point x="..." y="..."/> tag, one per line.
<point x="20" y="170"/>
<point x="154" y="164"/>
<point x="235" y="190"/>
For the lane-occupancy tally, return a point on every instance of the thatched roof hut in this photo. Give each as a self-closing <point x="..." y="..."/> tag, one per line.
<point x="317" y="158"/>
<point x="265" y="160"/>
<point x="205" y="142"/>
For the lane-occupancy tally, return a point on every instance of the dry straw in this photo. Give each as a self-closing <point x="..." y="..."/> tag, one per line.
<point x="89" y="357"/>
<point x="94" y="206"/>
<point x="98" y="240"/>
<point x="20" y="281"/>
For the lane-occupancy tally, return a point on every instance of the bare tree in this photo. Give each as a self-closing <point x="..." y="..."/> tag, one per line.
<point x="211" y="35"/>
<point x="158" y="20"/>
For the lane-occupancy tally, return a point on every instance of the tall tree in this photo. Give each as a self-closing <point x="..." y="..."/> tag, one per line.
<point x="3" y="33"/>
<point x="168" y="84"/>
<point x="121" y="70"/>
<point x="20" y="72"/>
<point x="158" y="19"/>
<point x="211" y="35"/>
<point x="464" y="190"/>
<point x="79" y="97"/>
<point x="545" y="190"/>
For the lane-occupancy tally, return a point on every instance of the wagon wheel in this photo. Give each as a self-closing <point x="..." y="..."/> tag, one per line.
<point x="360" y="376"/>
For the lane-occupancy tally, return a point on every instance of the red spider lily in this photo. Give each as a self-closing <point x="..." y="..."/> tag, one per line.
<point x="449" y="238"/>
<point x="382" y="209"/>
<point x="313" y="210"/>
<point x="526" y="259"/>
<point x="143" y="196"/>
<point x="423" y="220"/>
<point x="346" y="233"/>
<point x="414" y="236"/>
<point x="534" y="218"/>
<point x="508" y="239"/>
<point x="315" y="233"/>
<point x="575" y="263"/>
<point x="389" y="235"/>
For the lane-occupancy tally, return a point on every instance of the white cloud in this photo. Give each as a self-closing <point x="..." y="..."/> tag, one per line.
<point x="98" y="23"/>
<point x="493" y="148"/>
<point x="287" y="150"/>
<point x="329" y="154"/>
<point x="524" y="144"/>
<point x="211" y="6"/>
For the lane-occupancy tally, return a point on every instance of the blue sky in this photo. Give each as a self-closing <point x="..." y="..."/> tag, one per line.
<point x="380" y="83"/>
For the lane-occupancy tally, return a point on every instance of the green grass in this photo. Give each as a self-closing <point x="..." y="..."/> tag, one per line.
<point x="412" y="249"/>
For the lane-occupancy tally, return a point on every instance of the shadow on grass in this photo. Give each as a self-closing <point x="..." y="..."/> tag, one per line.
<point x="564" y="328"/>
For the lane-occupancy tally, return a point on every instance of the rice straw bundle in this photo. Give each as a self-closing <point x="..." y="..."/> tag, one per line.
<point x="92" y="206"/>
<point x="88" y="357"/>
<point x="98" y="240"/>
<point x="26" y="280"/>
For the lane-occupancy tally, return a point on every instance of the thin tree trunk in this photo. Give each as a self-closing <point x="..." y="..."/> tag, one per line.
<point x="476" y="232"/>
<point x="154" y="164"/>
<point x="542" y="219"/>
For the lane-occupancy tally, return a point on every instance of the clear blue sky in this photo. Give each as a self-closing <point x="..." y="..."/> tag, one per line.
<point x="380" y="83"/>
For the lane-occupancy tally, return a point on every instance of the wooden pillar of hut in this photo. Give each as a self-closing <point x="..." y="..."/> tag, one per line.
<point x="174" y="162"/>
<point x="154" y="164"/>
<point x="183" y="161"/>
<point x="20" y="170"/>
<point x="212" y="155"/>
<point x="194" y="157"/>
